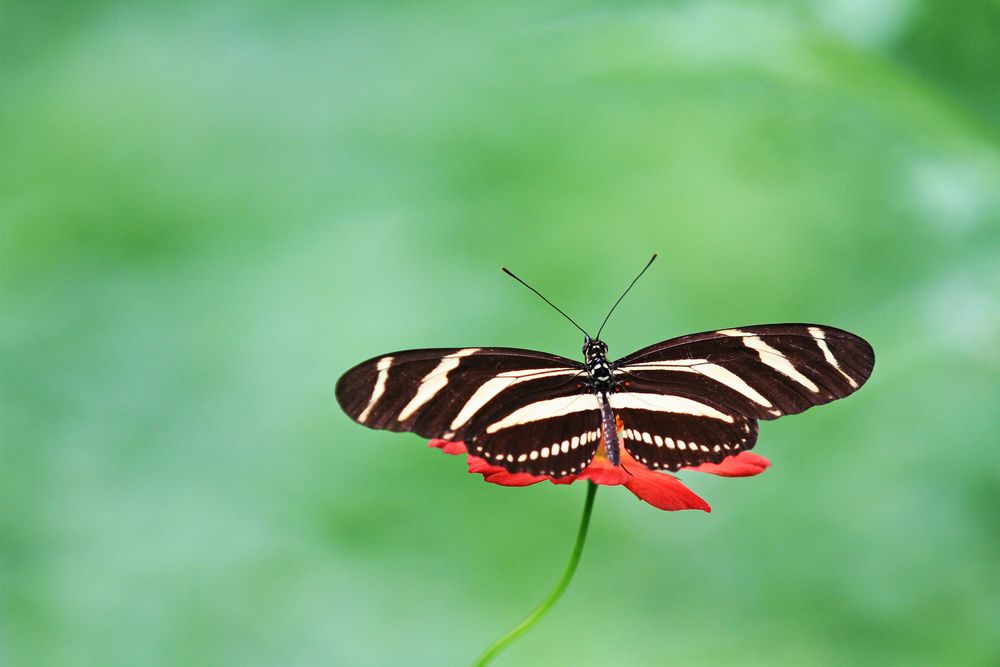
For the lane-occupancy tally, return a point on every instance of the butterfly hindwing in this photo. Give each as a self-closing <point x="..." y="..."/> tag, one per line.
<point x="667" y="432"/>
<point x="549" y="436"/>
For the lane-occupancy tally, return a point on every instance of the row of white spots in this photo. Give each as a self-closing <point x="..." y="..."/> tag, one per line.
<point x="636" y="435"/>
<point x="675" y="463"/>
<point x="545" y="452"/>
<point x="434" y="382"/>
<point x="383" y="376"/>
<point x="669" y="443"/>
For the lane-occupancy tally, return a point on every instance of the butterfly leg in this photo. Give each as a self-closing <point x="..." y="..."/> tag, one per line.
<point x="610" y="429"/>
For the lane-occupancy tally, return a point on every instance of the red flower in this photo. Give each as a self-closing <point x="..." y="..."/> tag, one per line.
<point x="656" y="488"/>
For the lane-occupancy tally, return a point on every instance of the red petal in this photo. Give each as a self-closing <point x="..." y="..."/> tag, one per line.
<point x="602" y="472"/>
<point x="658" y="489"/>
<point x="497" y="475"/>
<point x="744" y="464"/>
<point x="448" y="446"/>
<point x="663" y="491"/>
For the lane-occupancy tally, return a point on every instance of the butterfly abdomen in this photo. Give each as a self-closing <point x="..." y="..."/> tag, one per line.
<point x="609" y="428"/>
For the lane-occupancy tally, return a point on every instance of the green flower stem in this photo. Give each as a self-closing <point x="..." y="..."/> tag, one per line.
<point x="539" y="611"/>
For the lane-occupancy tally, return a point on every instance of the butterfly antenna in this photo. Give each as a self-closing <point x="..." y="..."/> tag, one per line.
<point x="624" y="293"/>
<point x="507" y="271"/>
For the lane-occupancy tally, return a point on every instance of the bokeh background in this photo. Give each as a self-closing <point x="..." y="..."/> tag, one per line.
<point x="210" y="211"/>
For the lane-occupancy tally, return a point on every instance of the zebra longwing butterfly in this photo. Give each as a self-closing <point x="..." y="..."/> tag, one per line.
<point x="679" y="403"/>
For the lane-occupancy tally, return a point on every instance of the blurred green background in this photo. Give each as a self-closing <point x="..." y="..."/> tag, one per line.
<point x="210" y="211"/>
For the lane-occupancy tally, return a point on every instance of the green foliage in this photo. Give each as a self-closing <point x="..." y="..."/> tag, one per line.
<point x="207" y="213"/>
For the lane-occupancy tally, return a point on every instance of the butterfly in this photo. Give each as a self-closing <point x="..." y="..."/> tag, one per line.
<point x="675" y="404"/>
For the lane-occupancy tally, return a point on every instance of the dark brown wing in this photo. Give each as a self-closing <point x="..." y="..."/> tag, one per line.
<point x="669" y="432"/>
<point x="446" y="393"/>
<point x="715" y="385"/>
<point x="764" y="371"/>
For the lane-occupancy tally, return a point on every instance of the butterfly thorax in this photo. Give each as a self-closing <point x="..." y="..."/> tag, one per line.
<point x="598" y="369"/>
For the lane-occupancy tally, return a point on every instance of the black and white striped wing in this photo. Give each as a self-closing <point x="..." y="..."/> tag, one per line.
<point x="696" y="399"/>
<point x="672" y="431"/>
<point x="544" y="436"/>
<point x="527" y="411"/>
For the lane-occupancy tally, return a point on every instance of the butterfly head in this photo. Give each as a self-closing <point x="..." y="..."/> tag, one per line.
<point x="594" y="348"/>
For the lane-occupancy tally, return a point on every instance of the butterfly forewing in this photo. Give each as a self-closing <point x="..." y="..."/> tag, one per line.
<point x="763" y="372"/>
<point x="441" y="393"/>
